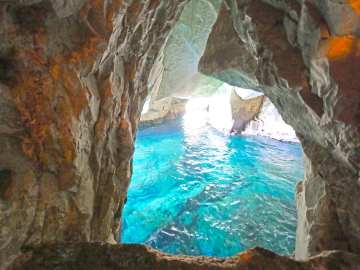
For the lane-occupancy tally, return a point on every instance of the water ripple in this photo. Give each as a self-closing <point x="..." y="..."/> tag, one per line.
<point x="197" y="191"/>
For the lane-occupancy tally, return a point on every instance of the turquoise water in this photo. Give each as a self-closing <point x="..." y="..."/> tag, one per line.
<point x="197" y="191"/>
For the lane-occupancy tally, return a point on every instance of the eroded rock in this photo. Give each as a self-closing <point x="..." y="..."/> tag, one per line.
<point x="93" y="256"/>
<point x="166" y="108"/>
<point x="269" y="123"/>
<point x="183" y="50"/>
<point x="73" y="80"/>
<point x="302" y="56"/>
<point x="74" y="76"/>
<point x="243" y="110"/>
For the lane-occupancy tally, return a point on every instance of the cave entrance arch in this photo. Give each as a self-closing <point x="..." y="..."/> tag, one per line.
<point x="173" y="78"/>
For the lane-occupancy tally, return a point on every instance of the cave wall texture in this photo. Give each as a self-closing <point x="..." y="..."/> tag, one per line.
<point x="184" y="49"/>
<point x="73" y="81"/>
<point x="304" y="56"/>
<point x="175" y="72"/>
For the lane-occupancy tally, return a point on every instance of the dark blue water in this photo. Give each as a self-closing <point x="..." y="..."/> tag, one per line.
<point x="197" y="191"/>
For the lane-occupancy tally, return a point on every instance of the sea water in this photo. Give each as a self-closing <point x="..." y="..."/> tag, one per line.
<point x="197" y="191"/>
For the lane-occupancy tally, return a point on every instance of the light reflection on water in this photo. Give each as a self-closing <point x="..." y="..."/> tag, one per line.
<point x="197" y="191"/>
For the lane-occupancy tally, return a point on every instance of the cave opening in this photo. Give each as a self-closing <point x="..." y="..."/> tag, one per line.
<point x="69" y="151"/>
<point x="198" y="186"/>
<point x="198" y="191"/>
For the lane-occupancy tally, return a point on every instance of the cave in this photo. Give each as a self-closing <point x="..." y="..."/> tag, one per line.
<point x="80" y="73"/>
<point x="200" y="184"/>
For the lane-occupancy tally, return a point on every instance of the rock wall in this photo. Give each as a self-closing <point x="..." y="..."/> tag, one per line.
<point x="73" y="80"/>
<point x="94" y="256"/>
<point x="303" y="56"/>
<point x="183" y="51"/>
<point x="174" y="77"/>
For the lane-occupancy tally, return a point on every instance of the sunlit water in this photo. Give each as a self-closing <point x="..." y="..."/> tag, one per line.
<point x="197" y="191"/>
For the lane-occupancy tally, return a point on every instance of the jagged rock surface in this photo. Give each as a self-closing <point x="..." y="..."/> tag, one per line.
<point x="183" y="50"/>
<point x="247" y="93"/>
<point x="94" y="256"/>
<point x="303" y="57"/>
<point x="174" y="73"/>
<point x="73" y="80"/>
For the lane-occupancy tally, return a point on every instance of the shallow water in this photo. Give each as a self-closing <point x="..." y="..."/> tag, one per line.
<point x="197" y="191"/>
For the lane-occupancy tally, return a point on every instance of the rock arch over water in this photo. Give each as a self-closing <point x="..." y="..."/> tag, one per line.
<point x="73" y="83"/>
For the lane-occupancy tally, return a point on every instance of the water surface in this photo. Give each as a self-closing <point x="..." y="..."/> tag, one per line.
<point x="197" y="191"/>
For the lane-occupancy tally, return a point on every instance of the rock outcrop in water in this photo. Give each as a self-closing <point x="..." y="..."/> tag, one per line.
<point x="269" y="123"/>
<point x="303" y="56"/>
<point x="166" y="108"/>
<point x="243" y="110"/>
<point x="175" y="76"/>
<point x="73" y="80"/>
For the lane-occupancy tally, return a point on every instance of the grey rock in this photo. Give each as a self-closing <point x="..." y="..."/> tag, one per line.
<point x="309" y="77"/>
<point x="73" y="80"/>
<point x="183" y="50"/>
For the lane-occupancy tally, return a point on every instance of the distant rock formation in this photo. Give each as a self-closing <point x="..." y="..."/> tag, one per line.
<point x="269" y="123"/>
<point x="243" y="110"/>
<point x="166" y="108"/>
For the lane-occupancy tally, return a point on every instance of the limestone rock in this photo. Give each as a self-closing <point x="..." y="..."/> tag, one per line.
<point x="174" y="73"/>
<point x="303" y="56"/>
<point x="183" y="50"/>
<point x="167" y="108"/>
<point x="73" y="80"/>
<point x="243" y="111"/>
<point x="269" y="123"/>
<point x="94" y="256"/>
<point x="324" y="204"/>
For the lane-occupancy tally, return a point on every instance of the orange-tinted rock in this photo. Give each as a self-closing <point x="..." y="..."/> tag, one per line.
<point x="72" y="89"/>
<point x="306" y="58"/>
